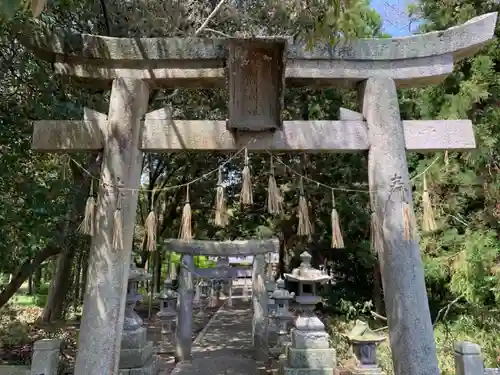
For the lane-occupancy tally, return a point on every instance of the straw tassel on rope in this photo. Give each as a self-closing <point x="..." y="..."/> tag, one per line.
<point x="87" y="225"/>
<point x="408" y="218"/>
<point x="246" y="187"/>
<point x="221" y="218"/>
<point x="185" y="232"/>
<point x="337" y="240"/>
<point x="117" y="224"/>
<point x="150" y="225"/>
<point x="274" y="199"/>
<point x="428" y="221"/>
<point x="408" y="222"/>
<point x="304" y="227"/>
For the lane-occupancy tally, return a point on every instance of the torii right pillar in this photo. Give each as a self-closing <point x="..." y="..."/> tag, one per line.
<point x="407" y="308"/>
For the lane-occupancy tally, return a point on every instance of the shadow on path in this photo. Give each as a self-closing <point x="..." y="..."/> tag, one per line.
<point x="225" y="346"/>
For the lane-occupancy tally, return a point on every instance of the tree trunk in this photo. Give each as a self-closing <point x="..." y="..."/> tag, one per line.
<point x="25" y="271"/>
<point x="77" y="280"/>
<point x="37" y="279"/>
<point x="30" y="285"/>
<point x="61" y="282"/>
<point x="83" y="284"/>
<point x="59" y="287"/>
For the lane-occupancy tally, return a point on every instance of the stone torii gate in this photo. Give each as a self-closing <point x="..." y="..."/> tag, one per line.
<point x="257" y="72"/>
<point x="257" y="248"/>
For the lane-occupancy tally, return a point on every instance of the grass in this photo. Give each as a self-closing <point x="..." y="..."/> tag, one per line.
<point x="23" y="299"/>
<point x="28" y="301"/>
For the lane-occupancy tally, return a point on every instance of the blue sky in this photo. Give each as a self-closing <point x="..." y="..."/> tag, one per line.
<point x="395" y="16"/>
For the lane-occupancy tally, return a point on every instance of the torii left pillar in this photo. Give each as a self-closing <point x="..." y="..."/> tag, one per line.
<point x="105" y="293"/>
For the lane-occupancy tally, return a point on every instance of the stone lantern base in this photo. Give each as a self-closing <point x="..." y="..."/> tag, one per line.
<point x="136" y="354"/>
<point x="309" y="354"/>
<point x="367" y="370"/>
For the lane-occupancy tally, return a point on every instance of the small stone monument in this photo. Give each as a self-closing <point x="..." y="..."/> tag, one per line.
<point x="167" y="314"/>
<point x="136" y="354"/>
<point x="310" y="351"/>
<point x="282" y="315"/>
<point x="364" y="344"/>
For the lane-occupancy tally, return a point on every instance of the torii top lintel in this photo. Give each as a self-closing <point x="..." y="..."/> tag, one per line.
<point x="199" y="62"/>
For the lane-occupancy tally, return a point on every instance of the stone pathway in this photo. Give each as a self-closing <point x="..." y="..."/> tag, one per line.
<point x="224" y="347"/>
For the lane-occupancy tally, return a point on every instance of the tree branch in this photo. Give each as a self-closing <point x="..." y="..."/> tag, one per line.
<point x="106" y="19"/>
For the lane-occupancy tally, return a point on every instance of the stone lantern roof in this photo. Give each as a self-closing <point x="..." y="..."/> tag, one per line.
<point x="281" y="293"/>
<point x="306" y="273"/>
<point x="168" y="292"/>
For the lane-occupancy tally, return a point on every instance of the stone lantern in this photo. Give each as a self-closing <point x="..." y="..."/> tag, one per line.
<point x="364" y="344"/>
<point x="282" y="315"/>
<point x="167" y="313"/>
<point x="310" y="343"/>
<point x="136" y="352"/>
<point x="133" y="321"/>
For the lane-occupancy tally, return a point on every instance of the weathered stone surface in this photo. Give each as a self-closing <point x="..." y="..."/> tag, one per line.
<point x="134" y="339"/>
<point x="308" y="371"/>
<point x="260" y="323"/>
<point x="184" y="329"/>
<point x="419" y="59"/>
<point x="76" y="136"/>
<point x="462" y="40"/>
<point x="206" y="135"/>
<point x="105" y="294"/>
<point x="311" y="358"/>
<point x="309" y="339"/>
<point x="349" y="73"/>
<point x="45" y="358"/>
<point x="256" y="83"/>
<point x="298" y="73"/>
<point x="309" y="323"/>
<point x="468" y="359"/>
<point x="410" y="327"/>
<point x="223" y="248"/>
<point x="223" y="273"/>
<point x="367" y="370"/>
<point x="134" y="358"/>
